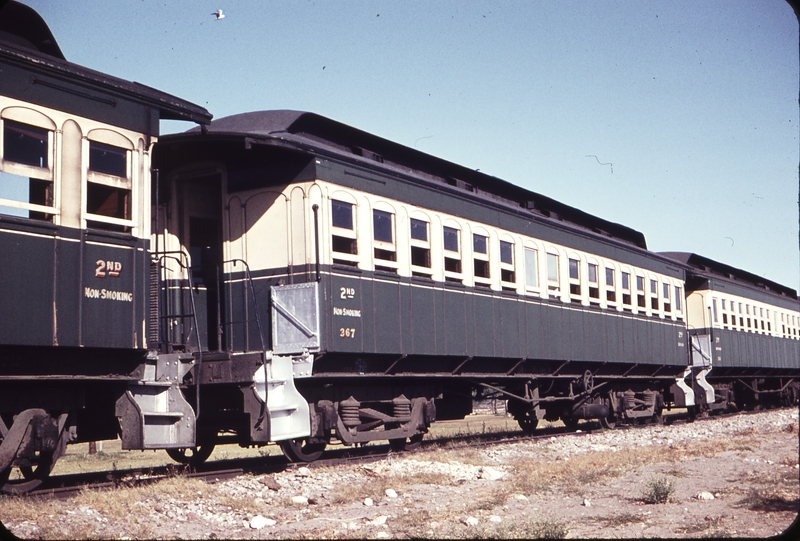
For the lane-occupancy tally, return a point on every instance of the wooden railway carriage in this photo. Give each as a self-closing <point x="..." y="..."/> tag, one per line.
<point x="74" y="238"/>
<point x="395" y="285"/>
<point x="745" y="336"/>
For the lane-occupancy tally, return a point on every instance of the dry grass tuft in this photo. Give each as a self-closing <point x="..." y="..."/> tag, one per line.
<point x="488" y="500"/>
<point x="771" y="500"/>
<point x="116" y="504"/>
<point x="540" y="529"/>
<point x="469" y="455"/>
<point x="711" y="525"/>
<point x="658" y="490"/>
<point x="571" y="476"/>
<point x="622" y="519"/>
<point x="375" y="488"/>
<point x="547" y="528"/>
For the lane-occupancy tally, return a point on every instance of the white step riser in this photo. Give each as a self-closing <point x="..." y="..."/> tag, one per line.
<point x="167" y="419"/>
<point x="288" y="410"/>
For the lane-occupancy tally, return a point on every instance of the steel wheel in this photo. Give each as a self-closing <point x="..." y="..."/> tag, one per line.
<point x="4" y="477"/>
<point x="609" y="422"/>
<point x="528" y="424"/>
<point x="41" y="470"/>
<point x="300" y="451"/>
<point x="192" y="455"/>
<point x="570" y="422"/>
<point x="33" y="475"/>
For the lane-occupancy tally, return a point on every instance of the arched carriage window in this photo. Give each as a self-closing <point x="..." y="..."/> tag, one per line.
<point x="508" y="274"/>
<point x="27" y="187"/>
<point x="420" y="247"/>
<point x="109" y="187"/>
<point x="344" y="245"/>
<point x="451" y="237"/>
<point x="480" y="255"/>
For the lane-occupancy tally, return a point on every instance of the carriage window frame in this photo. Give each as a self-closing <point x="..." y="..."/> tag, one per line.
<point x="531" y="256"/>
<point x="384" y="240"/>
<point x="611" y="292"/>
<point x="482" y="270"/>
<point x="641" y="299"/>
<point x="592" y="275"/>
<point x="420" y="247"/>
<point x="109" y="199"/>
<point x="654" y="295"/>
<point x="344" y="240"/>
<point x="553" y="276"/>
<point x="18" y="174"/>
<point x="627" y="301"/>
<point x="574" y="278"/>
<point x="451" y="247"/>
<point x="508" y="274"/>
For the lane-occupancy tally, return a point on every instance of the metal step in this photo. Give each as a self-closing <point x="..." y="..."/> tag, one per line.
<point x="287" y="409"/>
<point x="153" y="413"/>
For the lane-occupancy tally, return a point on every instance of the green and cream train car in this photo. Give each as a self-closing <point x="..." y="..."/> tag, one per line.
<point x="75" y="148"/>
<point x="745" y="336"/>
<point x="394" y="286"/>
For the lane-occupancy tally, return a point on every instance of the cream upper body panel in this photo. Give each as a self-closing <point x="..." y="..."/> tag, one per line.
<point x="85" y="174"/>
<point x="274" y="228"/>
<point x="722" y="310"/>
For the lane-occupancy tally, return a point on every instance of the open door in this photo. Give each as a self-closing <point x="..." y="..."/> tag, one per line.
<point x="201" y="231"/>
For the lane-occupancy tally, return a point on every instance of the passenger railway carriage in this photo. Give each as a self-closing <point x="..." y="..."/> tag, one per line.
<point x="396" y="284"/>
<point x="744" y="334"/>
<point x="75" y="150"/>
<point x="280" y="277"/>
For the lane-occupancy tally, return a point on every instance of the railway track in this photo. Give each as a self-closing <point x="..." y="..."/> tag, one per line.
<point x="67" y="485"/>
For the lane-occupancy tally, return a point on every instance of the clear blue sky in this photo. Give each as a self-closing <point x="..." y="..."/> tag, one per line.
<point x="693" y="103"/>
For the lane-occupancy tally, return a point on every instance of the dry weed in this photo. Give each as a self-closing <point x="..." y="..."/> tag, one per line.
<point x="571" y="476"/>
<point x="488" y="500"/>
<point x="771" y="500"/>
<point x="469" y="455"/>
<point x="658" y="490"/>
<point x="622" y="519"/>
<point x="710" y="525"/>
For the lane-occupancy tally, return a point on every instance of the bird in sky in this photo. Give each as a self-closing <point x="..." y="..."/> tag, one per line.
<point x="218" y="14"/>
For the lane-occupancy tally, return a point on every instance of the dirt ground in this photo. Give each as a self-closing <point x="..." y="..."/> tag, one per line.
<point x="730" y="477"/>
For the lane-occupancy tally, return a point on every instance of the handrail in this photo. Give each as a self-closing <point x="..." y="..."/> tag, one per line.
<point x="315" y="208"/>
<point x="255" y="299"/>
<point x="193" y="315"/>
<point x="260" y="332"/>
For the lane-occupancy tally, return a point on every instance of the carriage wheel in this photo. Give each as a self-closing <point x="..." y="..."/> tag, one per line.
<point x="192" y="456"/>
<point x="33" y="474"/>
<point x="40" y="470"/>
<point x="570" y="422"/>
<point x="300" y="451"/>
<point x="609" y="422"/>
<point x="528" y="424"/>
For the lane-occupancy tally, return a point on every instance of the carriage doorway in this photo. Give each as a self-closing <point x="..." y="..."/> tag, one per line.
<point x="201" y="219"/>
